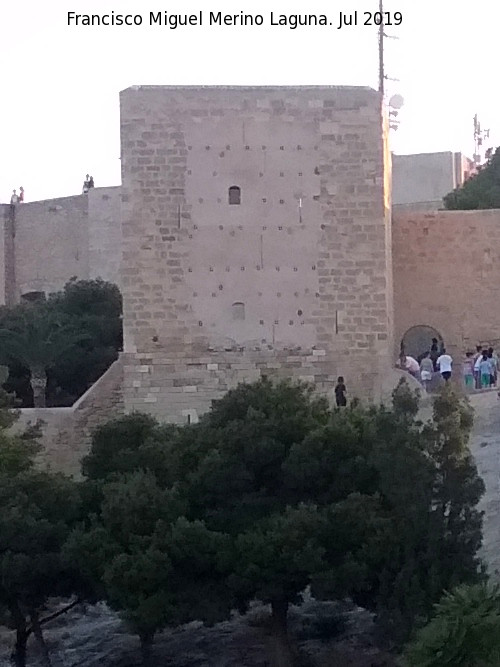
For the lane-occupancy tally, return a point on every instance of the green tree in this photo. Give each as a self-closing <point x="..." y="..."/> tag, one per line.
<point x="480" y="191"/>
<point x="127" y="444"/>
<point x="38" y="511"/>
<point x="38" y="337"/>
<point x="463" y="632"/>
<point x="96" y="307"/>
<point x="149" y="563"/>
<point x="269" y="446"/>
<point x="91" y="309"/>
<point x="311" y="496"/>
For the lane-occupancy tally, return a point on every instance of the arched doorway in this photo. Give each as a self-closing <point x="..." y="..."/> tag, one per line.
<point x="418" y="340"/>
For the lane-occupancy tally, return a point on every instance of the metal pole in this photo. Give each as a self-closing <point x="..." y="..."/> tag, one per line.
<point x="381" y="72"/>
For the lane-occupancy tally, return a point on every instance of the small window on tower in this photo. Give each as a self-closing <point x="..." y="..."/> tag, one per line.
<point x="234" y="195"/>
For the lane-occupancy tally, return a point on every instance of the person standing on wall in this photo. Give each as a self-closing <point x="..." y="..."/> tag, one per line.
<point x="21" y="194"/>
<point x="14" y="199"/>
<point x="444" y="363"/>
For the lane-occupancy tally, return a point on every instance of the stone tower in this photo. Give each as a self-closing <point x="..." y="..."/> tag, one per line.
<point x="256" y="241"/>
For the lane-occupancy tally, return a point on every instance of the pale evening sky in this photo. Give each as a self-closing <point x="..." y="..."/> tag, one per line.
<point x="59" y="114"/>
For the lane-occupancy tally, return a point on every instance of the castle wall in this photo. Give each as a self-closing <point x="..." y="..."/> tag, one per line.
<point x="291" y="282"/>
<point x="48" y="242"/>
<point x="67" y="432"/>
<point x="104" y="233"/>
<point x="447" y="276"/>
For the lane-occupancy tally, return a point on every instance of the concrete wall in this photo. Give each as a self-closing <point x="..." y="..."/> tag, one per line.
<point x="447" y="276"/>
<point x="425" y="178"/>
<point x="46" y="243"/>
<point x="306" y="250"/>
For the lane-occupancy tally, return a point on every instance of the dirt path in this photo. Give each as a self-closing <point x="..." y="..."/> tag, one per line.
<point x="485" y="445"/>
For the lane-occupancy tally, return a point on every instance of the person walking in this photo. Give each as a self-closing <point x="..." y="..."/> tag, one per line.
<point x="434" y="354"/>
<point x="444" y="363"/>
<point x="485" y="370"/>
<point x="477" y="359"/>
<point x="426" y="371"/>
<point x="494" y="366"/>
<point x="412" y="366"/>
<point x="468" y="371"/>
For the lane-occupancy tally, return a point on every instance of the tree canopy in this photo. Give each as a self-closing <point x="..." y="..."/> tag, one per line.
<point x="38" y="511"/>
<point x="480" y="191"/>
<point x="296" y="494"/>
<point x="57" y="348"/>
<point x="270" y="494"/>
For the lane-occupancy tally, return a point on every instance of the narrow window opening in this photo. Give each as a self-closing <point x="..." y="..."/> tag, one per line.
<point x="234" y="194"/>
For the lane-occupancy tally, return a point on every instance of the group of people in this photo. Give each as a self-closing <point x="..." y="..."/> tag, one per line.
<point x="435" y="360"/>
<point x="87" y="184"/>
<point x="480" y="369"/>
<point x="17" y="198"/>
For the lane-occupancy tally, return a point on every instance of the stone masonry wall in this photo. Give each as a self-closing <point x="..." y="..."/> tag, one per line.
<point x="67" y="432"/>
<point x="447" y="275"/>
<point x="292" y="281"/>
<point x="104" y="233"/>
<point x="46" y="243"/>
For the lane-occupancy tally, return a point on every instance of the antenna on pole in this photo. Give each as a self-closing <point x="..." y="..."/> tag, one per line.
<point x="381" y="69"/>
<point x="479" y="136"/>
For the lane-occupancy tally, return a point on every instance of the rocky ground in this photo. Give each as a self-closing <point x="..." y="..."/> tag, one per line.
<point x="95" y="636"/>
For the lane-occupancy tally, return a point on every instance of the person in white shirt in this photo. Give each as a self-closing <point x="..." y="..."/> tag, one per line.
<point x="444" y="364"/>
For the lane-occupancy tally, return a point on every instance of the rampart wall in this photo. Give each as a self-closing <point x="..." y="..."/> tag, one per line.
<point x="46" y="243"/>
<point x="447" y="275"/>
<point x="67" y="432"/>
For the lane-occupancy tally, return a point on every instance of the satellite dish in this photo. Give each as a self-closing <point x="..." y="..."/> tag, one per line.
<point x="396" y="101"/>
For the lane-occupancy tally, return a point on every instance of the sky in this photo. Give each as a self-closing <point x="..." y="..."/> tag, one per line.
<point x="59" y="109"/>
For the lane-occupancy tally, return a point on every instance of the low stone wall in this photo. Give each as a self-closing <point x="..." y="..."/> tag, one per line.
<point x="67" y="432"/>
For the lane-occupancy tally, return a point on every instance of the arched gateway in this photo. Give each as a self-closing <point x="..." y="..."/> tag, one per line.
<point x="418" y="340"/>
